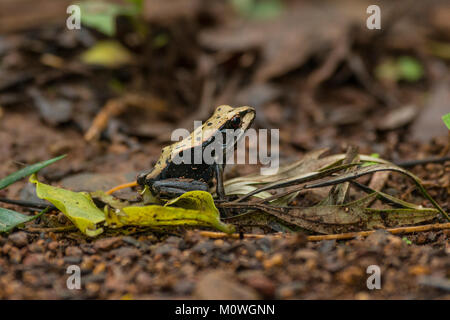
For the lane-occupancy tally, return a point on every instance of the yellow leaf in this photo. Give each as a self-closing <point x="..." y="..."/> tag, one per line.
<point x="195" y="208"/>
<point x="77" y="206"/>
<point x="108" y="54"/>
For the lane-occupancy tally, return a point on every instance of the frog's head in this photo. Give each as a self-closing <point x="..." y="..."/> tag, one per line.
<point x="226" y="117"/>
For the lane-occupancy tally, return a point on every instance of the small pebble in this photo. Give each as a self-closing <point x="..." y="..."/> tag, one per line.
<point x="19" y="239"/>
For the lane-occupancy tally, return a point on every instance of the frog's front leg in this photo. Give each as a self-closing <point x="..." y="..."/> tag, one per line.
<point x="220" y="189"/>
<point x="175" y="187"/>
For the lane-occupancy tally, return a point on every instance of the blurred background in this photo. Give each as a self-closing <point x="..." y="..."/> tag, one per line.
<point x="111" y="92"/>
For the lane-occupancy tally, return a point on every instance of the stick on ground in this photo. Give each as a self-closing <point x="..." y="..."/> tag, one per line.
<point x="338" y="236"/>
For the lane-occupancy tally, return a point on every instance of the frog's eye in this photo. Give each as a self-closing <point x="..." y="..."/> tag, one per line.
<point x="235" y="122"/>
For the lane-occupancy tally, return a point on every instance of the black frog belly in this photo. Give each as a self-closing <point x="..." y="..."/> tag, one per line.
<point x="201" y="172"/>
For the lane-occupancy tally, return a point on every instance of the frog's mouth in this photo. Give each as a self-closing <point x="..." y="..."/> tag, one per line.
<point x="247" y="118"/>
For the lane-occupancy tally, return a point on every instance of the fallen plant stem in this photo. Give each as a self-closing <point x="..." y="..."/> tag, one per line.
<point x="113" y="107"/>
<point x="412" y="163"/>
<point x="122" y="186"/>
<point x="378" y="168"/>
<point x="339" y="192"/>
<point x="386" y="197"/>
<point x="117" y="106"/>
<point x="400" y="230"/>
<point x="307" y="178"/>
<point x="338" y="236"/>
<point x="221" y="235"/>
<point x="28" y="204"/>
<point x="55" y="229"/>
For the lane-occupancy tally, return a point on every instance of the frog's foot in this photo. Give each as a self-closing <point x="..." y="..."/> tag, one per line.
<point x="141" y="177"/>
<point x="172" y="188"/>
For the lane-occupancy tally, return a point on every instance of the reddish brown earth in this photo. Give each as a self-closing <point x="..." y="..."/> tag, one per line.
<point x="311" y="79"/>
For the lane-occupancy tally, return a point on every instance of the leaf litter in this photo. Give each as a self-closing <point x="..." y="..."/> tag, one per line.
<point x="334" y="214"/>
<point x="287" y="268"/>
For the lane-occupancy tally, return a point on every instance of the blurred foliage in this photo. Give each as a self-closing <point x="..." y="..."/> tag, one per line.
<point x="10" y="219"/>
<point x="439" y="49"/>
<point x="258" y="9"/>
<point x="101" y="16"/>
<point x="160" y="40"/>
<point x="446" y="119"/>
<point x="22" y="173"/>
<point x="139" y="4"/>
<point x="407" y="241"/>
<point x="109" y="54"/>
<point x="403" y="68"/>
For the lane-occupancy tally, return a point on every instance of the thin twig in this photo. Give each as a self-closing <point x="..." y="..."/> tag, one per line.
<point x="221" y="235"/>
<point x="55" y="229"/>
<point x="303" y="179"/>
<point x="338" y="236"/>
<point x="122" y="186"/>
<point x="117" y="106"/>
<point x="412" y="163"/>
<point x="400" y="230"/>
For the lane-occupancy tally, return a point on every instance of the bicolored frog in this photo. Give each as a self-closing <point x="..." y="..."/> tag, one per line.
<point x="170" y="178"/>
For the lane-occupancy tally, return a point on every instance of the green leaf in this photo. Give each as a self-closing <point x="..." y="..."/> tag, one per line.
<point x="407" y="241"/>
<point x="446" y="119"/>
<point x="77" y="206"/>
<point x="109" y="54"/>
<point x="410" y="69"/>
<point x="10" y="219"/>
<point x="194" y="208"/>
<point x="22" y="173"/>
<point x="101" y="16"/>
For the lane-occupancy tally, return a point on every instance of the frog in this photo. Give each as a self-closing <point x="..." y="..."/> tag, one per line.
<point x="170" y="178"/>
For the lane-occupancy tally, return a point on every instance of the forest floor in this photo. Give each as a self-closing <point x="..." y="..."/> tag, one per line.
<point x="316" y="77"/>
